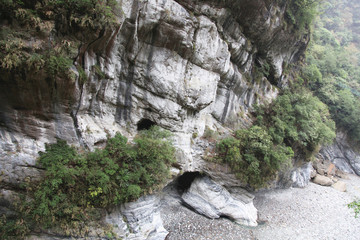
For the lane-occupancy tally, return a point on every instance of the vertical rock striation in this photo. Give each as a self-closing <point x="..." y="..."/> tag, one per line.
<point x="184" y="65"/>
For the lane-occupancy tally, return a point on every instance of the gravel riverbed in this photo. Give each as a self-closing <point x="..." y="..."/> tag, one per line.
<point x="313" y="212"/>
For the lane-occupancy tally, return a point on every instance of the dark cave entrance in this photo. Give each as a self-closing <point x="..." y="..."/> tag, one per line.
<point x="184" y="181"/>
<point x="145" y="124"/>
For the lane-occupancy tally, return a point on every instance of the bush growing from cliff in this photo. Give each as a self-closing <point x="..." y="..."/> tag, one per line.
<point x="85" y="13"/>
<point x="299" y="120"/>
<point x="294" y="122"/>
<point x="29" y="23"/>
<point x="253" y="156"/>
<point x="75" y="185"/>
<point x="301" y="13"/>
<point x="13" y="228"/>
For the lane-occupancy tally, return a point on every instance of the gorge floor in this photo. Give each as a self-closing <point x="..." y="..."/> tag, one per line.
<point x="313" y="212"/>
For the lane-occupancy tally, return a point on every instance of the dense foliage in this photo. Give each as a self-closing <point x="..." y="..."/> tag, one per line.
<point x="75" y="184"/>
<point x="301" y="13"/>
<point x="299" y="120"/>
<point x="333" y="63"/>
<point x="294" y="122"/>
<point x="253" y="156"/>
<point x="89" y="13"/>
<point x="12" y="228"/>
<point x="27" y="26"/>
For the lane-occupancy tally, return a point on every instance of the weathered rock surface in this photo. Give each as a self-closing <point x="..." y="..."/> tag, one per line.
<point x="322" y="180"/>
<point x="138" y="220"/>
<point x="340" y="186"/>
<point x="324" y="167"/>
<point x="212" y="200"/>
<point x="143" y="218"/>
<point x="342" y="155"/>
<point x="184" y="65"/>
<point x="302" y="175"/>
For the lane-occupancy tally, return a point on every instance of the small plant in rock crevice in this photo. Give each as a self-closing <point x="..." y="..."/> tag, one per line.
<point x="356" y="206"/>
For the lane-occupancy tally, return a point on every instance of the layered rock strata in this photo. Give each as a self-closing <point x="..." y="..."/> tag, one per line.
<point x="186" y="66"/>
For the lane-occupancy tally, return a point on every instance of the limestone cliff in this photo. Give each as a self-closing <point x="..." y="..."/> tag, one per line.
<point x="183" y="65"/>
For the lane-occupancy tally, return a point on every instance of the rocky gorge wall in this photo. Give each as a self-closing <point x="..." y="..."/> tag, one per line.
<point x="186" y="66"/>
<point x="183" y="65"/>
<point x="342" y="154"/>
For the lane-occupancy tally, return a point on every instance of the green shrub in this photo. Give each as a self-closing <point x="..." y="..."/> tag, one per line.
<point x="299" y="120"/>
<point x="356" y="206"/>
<point x="294" y="122"/>
<point x="253" y="156"/>
<point x="261" y="69"/>
<point x="11" y="228"/>
<point x="75" y="185"/>
<point x="82" y="75"/>
<point x="210" y="134"/>
<point x="85" y="13"/>
<point x="301" y="13"/>
<point x="98" y="72"/>
<point x="58" y="65"/>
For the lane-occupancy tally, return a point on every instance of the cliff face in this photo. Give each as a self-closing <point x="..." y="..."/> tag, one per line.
<point x="342" y="154"/>
<point x="183" y="65"/>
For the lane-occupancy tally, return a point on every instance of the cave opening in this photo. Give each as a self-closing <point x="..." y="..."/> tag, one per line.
<point x="184" y="181"/>
<point x="145" y="124"/>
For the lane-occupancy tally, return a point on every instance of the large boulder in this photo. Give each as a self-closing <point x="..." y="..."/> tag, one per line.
<point x="322" y="180"/>
<point x="340" y="186"/>
<point x="212" y="200"/>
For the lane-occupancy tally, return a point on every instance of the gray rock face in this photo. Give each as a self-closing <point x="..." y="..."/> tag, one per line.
<point x="342" y="155"/>
<point x="138" y="220"/>
<point x="212" y="200"/>
<point x="180" y="64"/>
<point x="185" y="65"/>
<point x="302" y="175"/>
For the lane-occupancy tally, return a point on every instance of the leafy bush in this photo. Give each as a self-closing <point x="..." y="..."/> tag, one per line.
<point x="294" y="122"/>
<point x="75" y="184"/>
<point x="301" y="13"/>
<point x="9" y="228"/>
<point x="253" y="156"/>
<point x="299" y="120"/>
<point x="58" y="65"/>
<point x="85" y="13"/>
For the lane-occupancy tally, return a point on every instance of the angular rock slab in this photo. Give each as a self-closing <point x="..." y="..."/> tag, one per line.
<point x="302" y="175"/>
<point x="138" y="220"/>
<point x="212" y="200"/>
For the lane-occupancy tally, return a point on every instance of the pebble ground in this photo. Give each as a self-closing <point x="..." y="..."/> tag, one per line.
<point x="314" y="212"/>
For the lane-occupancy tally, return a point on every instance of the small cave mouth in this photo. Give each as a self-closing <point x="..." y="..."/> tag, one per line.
<point x="145" y="124"/>
<point x="184" y="181"/>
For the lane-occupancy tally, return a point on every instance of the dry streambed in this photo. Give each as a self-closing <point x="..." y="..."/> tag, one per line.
<point x="313" y="212"/>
